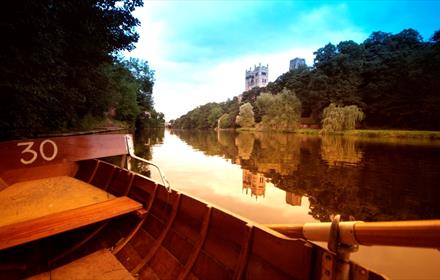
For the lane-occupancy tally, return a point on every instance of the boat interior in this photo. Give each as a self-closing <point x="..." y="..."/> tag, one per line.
<point x="85" y="218"/>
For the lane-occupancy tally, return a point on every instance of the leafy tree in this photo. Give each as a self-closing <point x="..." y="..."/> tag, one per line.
<point x="281" y="111"/>
<point x="436" y="37"/>
<point x="223" y="121"/>
<point x="333" y="119"/>
<point x="202" y="117"/>
<point x="53" y="66"/>
<point x="245" y="118"/>
<point x="145" y="78"/>
<point x="337" y="118"/>
<point x="324" y="58"/>
<point x="123" y="88"/>
<point x="393" y="78"/>
<point x="214" y="115"/>
<point x="352" y="115"/>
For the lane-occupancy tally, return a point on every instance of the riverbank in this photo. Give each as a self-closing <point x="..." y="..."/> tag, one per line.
<point x="105" y="125"/>
<point x="369" y="133"/>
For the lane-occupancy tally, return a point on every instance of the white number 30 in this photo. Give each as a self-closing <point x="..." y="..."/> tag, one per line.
<point x="34" y="154"/>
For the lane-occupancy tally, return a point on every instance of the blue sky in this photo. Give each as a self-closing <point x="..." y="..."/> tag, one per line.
<point x="201" y="49"/>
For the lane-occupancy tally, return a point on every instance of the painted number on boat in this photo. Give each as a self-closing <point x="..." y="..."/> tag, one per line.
<point x="33" y="155"/>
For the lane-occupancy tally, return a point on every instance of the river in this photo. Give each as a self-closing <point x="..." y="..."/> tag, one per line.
<point x="290" y="178"/>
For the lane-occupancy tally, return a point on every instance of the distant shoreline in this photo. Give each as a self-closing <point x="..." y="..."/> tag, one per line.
<point x="367" y="133"/>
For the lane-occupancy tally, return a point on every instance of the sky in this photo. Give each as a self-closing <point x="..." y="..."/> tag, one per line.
<point x="200" y="50"/>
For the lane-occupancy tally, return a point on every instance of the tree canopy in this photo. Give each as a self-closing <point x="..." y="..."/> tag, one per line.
<point x="336" y="118"/>
<point x="392" y="78"/>
<point x="59" y="65"/>
<point x="279" y="112"/>
<point x="245" y="118"/>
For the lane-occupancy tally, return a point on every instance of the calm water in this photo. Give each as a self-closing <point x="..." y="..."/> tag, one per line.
<point x="288" y="178"/>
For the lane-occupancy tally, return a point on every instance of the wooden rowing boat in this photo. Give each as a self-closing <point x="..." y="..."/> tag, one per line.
<point x="66" y="214"/>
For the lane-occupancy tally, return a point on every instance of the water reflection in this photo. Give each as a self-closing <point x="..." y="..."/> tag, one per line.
<point x="339" y="150"/>
<point x="144" y="140"/>
<point x="354" y="177"/>
<point x="254" y="183"/>
<point x="293" y="199"/>
<point x="371" y="180"/>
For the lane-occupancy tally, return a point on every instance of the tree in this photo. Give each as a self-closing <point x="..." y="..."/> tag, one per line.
<point x="123" y="89"/>
<point x="281" y="111"/>
<point x="352" y="115"/>
<point x="324" y="58"/>
<point x="245" y="118"/>
<point x="214" y="114"/>
<point x="52" y="70"/>
<point x="145" y="78"/>
<point x="337" y="118"/>
<point x="393" y="78"/>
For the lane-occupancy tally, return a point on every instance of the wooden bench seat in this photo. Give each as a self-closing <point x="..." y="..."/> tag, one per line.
<point x="39" y="208"/>
<point x="101" y="265"/>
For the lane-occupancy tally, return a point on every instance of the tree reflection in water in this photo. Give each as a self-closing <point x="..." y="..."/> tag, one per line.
<point x="354" y="177"/>
<point x="143" y="141"/>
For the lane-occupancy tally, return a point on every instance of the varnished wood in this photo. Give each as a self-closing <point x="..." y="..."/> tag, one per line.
<point x="103" y="174"/>
<point x="275" y="257"/>
<point x="174" y="236"/>
<point x="36" y="198"/>
<point x="79" y="244"/>
<point x="69" y="149"/>
<point x="121" y="182"/>
<point x="94" y="172"/>
<point x="99" y="265"/>
<point x="290" y="230"/>
<point x="223" y="245"/>
<point x="400" y="233"/>
<point x="26" y="231"/>
<point x="130" y="184"/>
<point x="198" y="247"/>
<point x="160" y="239"/>
<point x="120" y="246"/>
<point x="244" y="255"/>
<point x="3" y="184"/>
<point x="13" y="176"/>
<point x="109" y="178"/>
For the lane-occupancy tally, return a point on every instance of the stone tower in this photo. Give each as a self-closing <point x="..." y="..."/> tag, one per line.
<point x="259" y="77"/>
<point x="296" y="63"/>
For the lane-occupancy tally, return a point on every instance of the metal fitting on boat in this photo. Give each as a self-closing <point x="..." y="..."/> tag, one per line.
<point x="130" y="147"/>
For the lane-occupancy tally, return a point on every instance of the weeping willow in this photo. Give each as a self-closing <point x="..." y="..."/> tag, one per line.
<point x="337" y="118"/>
<point x="337" y="150"/>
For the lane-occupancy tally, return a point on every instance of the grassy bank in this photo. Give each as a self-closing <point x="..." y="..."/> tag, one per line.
<point x="416" y="134"/>
<point x="369" y="133"/>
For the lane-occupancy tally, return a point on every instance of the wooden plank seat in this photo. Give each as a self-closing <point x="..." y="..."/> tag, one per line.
<point x="101" y="265"/>
<point x="36" y="209"/>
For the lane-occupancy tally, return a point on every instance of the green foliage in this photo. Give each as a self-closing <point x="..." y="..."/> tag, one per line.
<point x="226" y="121"/>
<point x="393" y="78"/>
<point x="280" y="112"/>
<point x="122" y="92"/>
<point x="145" y="79"/>
<point x="214" y="116"/>
<point x="202" y="117"/>
<point x="336" y="118"/>
<point x="207" y="116"/>
<point x="352" y="115"/>
<point x="245" y="118"/>
<point x="130" y="91"/>
<point x="54" y="66"/>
